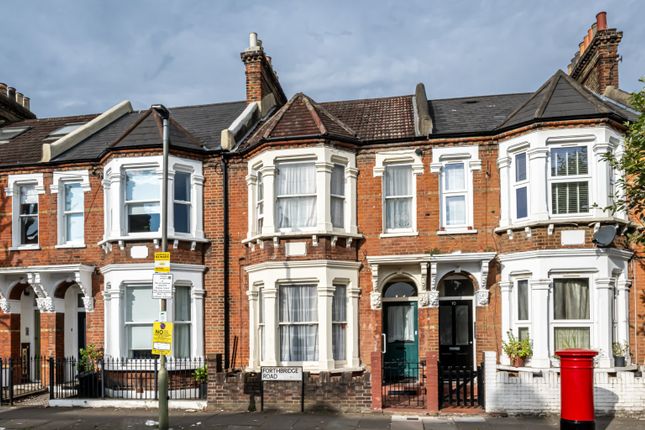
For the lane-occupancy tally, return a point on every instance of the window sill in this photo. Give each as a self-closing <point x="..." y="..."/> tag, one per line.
<point x="300" y="234"/>
<point x="149" y="237"/>
<point x="399" y="234"/>
<point x="25" y="248"/>
<point x="456" y="231"/>
<point x="559" y="220"/>
<point x="70" y="246"/>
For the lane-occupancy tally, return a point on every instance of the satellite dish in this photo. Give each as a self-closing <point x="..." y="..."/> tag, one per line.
<point x="604" y="236"/>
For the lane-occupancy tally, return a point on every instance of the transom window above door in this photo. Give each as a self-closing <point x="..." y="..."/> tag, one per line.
<point x="456" y="286"/>
<point x="399" y="289"/>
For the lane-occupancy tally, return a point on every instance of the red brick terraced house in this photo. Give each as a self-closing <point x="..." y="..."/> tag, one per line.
<point x="364" y="240"/>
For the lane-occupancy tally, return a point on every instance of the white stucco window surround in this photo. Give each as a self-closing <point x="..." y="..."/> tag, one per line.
<point x="567" y="176"/>
<point x="399" y="170"/>
<point x="456" y="165"/>
<point x="296" y="192"/>
<point x="24" y="190"/>
<point x="70" y="186"/>
<point x="132" y="187"/>
<point x="571" y="298"/>
<point x="124" y="332"/>
<point x="300" y="299"/>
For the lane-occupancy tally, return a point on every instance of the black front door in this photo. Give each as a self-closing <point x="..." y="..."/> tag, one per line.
<point x="456" y="333"/>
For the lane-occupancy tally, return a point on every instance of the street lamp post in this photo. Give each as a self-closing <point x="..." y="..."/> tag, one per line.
<point x="162" y="377"/>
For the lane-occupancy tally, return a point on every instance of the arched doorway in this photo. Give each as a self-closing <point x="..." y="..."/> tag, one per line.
<point x="456" y="347"/>
<point x="400" y="329"/>
<point x="75" y="322"/>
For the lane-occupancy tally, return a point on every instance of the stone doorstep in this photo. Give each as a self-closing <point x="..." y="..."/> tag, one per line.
<point x="128" y="404"/>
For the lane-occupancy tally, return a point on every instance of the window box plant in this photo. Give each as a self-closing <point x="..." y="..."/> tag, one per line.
<point x="518" y="350"/>
<point x="619" y="351"/>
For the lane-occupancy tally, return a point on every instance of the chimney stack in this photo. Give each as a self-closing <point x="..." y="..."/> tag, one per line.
<point x="14" y="106"/>
<point x="595" y="65"/>
<point x="262" y="84"/>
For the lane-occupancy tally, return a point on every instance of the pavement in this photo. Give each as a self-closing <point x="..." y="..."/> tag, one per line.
<point x="46" y="418"/>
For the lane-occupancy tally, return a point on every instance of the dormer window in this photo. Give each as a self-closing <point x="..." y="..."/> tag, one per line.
<point x="63" y="131"/>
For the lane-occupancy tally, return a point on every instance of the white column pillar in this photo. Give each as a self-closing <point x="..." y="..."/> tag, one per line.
<point x="599" y="187"/>
<point x="604" y="320"/>
<point x="350" y="200"/>
<point x="268" y="176"/>
<point x="271" y="348"/>
<point x="251" y="185"/>
<point x="506" y="289"/>
<point x="541" y="317"/>
<point x="504" y="164"/>
<point x="254" y="346"/>
<point x="323" y="197"/>
<point x="353" y="359"/>
<point x="197" y="217"/>
<point x="538" y="183"/>
<point x="114" y="330"/>
<point x="622" y="311"/>
<point x="197" y="326"/>
<point x="325" y="300"/>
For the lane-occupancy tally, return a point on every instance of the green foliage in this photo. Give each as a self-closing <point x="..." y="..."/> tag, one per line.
<point x="619" y="349"/>
<point x="516" y="348"/>
<point x="89" y="359"/>
<point x="201" y="374"/>
<point x="632" y="178"/>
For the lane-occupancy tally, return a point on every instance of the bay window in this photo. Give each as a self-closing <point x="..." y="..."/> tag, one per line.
<point x="182" y="202"/>
<point x="142" y="197"/>
<point x="140" y="312"/>
<point x="28" y="215"/>
<point x="454" y="193"/>
<point x="338" y="196"/>
<point x="522" y="315"/>
<point x="182" y="320"/>
<point x="398" y="197"/>
<point x="295" y="196"/>
<point x="569" y="180"/>
<point x="298" y="313"/>
<point x="521" y="186"/>
<point x="571" y="313"/>
<point x="259" y="205"/>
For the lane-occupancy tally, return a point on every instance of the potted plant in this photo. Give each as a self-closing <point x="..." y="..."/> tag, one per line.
<point x="518" y="350"/>
<point x="201" y="377"/>
<point x="620" y="352"/>
<point x="88" y="372"/>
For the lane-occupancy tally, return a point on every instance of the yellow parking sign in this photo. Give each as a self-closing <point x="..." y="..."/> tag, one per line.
<point x="162" y="338"/>
<point x="162" y="262"/>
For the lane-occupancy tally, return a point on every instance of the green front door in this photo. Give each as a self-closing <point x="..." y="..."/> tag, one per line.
<point x="401" y="340"/>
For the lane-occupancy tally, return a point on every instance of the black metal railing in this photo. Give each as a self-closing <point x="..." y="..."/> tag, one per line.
<point x="22" y="376"/>
<point x="460" y="386"/>
<point x="110" y="377"/>
<point x="404" y="384"/>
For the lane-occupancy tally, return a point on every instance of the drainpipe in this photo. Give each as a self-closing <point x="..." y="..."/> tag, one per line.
<point x="227" y="360"/>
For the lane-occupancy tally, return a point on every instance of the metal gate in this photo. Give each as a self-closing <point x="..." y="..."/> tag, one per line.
<point x="404" y="384"/>
<point x="461" y="386"/>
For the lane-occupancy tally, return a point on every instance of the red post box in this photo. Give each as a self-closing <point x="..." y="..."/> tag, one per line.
<point x="576" y="389"/>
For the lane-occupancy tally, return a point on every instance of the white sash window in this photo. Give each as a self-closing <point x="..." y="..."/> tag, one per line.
<point x="295" y="196"/>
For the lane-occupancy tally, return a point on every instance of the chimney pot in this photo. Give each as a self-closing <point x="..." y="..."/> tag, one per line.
<point x="253" y="40"/>
<point x="601" y="21"/>
<point x="3" y="89"/>
<point x="11" y="93"/>
<point x="26" y="103"/>
<point x="19" y="98"/>
<point x="590" y="34"/>
<point x="581" y="48"/>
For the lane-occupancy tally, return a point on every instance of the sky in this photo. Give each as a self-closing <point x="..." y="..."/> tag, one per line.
<point x="83" y="56"/>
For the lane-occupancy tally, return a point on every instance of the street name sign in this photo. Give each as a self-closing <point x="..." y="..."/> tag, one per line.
<point x="281" y="373"/>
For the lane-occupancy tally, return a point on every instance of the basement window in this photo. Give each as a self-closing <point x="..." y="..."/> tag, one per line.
<point x="64" y="130"/>
<point x="6" y="134"/>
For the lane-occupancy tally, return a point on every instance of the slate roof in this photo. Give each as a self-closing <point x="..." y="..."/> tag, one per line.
<point x="191" y="127"/>
<point x="26" y="148"/>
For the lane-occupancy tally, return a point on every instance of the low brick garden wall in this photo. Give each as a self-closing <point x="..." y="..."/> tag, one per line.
<point x="339" y="392"/>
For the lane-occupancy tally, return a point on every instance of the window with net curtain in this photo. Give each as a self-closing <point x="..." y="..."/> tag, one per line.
<point x="259" y="205"/>
<point x="398" y="195"/>
<point x="571" y="302"/>
<point x="522" y="308"/>
<point x="28" y="215"/>
<point x="338" y="196"/>
<point x="295" y="195"/>
<point x="72" y="213"/>
<point x="569" y="186"/>
<point x="521" y="186"/>
<point x="142" y="196"/>
<point x="140" y="312"/>
<point x="454" y="195"/>
<point x="182" y="321"/>
<point x="298" y="321"/>
<point x="339" y="322"/>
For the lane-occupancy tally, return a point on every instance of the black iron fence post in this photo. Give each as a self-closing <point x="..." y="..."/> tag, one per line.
<point x="156" y="380"/>
<point x="102" y="364"/>
<point x="10" y="381"/>
<point x="51" y="377"/>
<point x="1" y="380"/>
